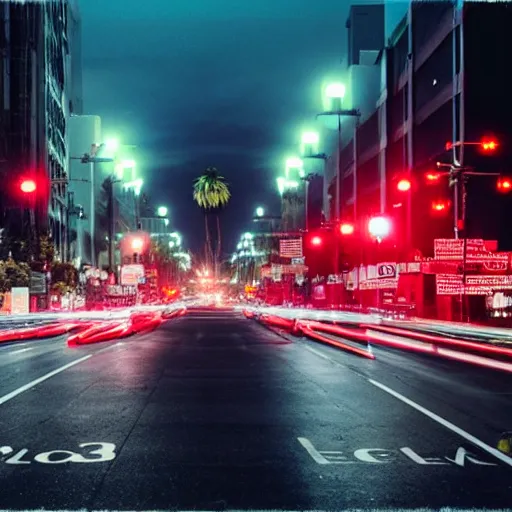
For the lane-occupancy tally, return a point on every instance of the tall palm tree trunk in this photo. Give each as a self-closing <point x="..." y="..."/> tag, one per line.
<point x="208" y="242"/>
<point x="219" y="245"/>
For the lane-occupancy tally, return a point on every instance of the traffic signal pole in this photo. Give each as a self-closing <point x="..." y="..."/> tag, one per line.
<point x="458" y="178"/>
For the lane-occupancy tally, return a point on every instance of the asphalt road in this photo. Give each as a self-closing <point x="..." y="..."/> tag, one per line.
<point x="214" y="412"/>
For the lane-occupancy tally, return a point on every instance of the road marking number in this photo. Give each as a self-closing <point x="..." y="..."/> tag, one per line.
<point x="462" y="457"/>
<point x="94" y="452"/>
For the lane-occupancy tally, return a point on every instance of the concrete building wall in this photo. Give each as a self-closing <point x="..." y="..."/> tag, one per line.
<point x="84" y="131"/>
<point x="365" y="31"/>
<point x="74" y="62"/>
<point x="444" y="79"/>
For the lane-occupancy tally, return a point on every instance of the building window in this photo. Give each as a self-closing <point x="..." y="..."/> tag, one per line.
<point x="435" y="74"/>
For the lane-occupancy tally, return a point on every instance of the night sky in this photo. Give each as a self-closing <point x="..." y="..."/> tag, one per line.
<point x="197" y="83"/>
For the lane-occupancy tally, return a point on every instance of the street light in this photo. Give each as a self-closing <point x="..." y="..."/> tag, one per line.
<point x="112" y="145"/>
<point x="260" y="211"/>
<point x="162" y="211"/>
<point x="379" y="227"/>
<point x="137" y="244"/>
<point x="334" y="94"/>
<point x="309" y="144"/>
<point x="294" y="163"/>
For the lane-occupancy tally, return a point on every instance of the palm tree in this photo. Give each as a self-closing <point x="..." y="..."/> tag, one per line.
<point x="211" y="193"/>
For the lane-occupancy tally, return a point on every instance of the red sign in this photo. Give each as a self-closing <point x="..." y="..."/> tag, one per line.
<point x="476" y="249"/>
<point x="448" y="284"/>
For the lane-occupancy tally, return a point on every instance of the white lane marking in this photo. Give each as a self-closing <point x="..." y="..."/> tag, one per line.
<point x="315" y="454"/>
<point x="35" y="382"/>
<point x="21" y="350"/>
<point x="445" y="423"/>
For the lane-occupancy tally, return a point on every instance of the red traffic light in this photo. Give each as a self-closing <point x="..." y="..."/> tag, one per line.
<point x="488" y="146"/>
<point x="316" y="241"/>
<point x="432" y="177"/>
<point x="28" y="186"/>
<point x="347" y="229"/>
<point x="440" y="205"/>
<point x="404" y="185"/>
<point x="504" y="185"/>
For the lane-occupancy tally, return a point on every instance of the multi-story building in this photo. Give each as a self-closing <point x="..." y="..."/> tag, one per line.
<point x="84" y="131"/>
<point x="443" y="79"/>
<point x="38" y="95"/>
<point x="365" y="31"/>
<point x="104" y="192"/>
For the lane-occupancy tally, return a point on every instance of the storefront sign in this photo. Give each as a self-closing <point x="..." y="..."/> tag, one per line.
<point x="19" y="301"/>
<point x="447" y="284"/>
<point x="476" y="248"/>
<point x="131" y="274"/>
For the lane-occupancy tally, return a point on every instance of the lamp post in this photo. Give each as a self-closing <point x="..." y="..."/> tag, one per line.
<point x="334" y="93"/>
<point x="309" y="149"/>
<point x="92" y="159"/>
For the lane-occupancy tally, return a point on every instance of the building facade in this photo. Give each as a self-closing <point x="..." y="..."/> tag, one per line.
<point x="38" y="95"/>
<point x="442" y="80"/>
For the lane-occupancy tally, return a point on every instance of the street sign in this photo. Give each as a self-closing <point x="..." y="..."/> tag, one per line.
<point x="130" y="274"/>
<point x="19" y="301"/>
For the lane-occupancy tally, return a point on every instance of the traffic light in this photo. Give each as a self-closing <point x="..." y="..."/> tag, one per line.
<point x="504" y="185"/>
<point x="403" y="185"/>
<point x="440" y="206"/>
<point x="316" y="241"/>
<point x="28" y="186"/>
<point x="489" y="146"/>
<point x="347" y="229"/>
<point x="432" y="177"/>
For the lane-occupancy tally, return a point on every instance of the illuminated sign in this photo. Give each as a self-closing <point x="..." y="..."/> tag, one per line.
<point x="476" y="248"/>
<point x="447" y="284"/>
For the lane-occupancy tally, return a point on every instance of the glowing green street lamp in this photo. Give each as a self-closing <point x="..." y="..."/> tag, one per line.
<point x="309" y="143"/>
<point x="162" y="211"/>
<point x="333" y="96"/>
<point x="260" y="211"/>
<point x="112" y="145"/>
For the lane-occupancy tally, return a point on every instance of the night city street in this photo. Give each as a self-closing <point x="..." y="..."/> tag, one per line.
<point x="213" y="411"/>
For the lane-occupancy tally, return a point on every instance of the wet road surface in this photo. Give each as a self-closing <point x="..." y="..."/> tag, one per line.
<point x="213" y="411"/>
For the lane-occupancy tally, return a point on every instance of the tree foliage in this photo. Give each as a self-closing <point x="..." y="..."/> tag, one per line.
<point x="211" y="193"/>
<point x="13" y="275"/>
<point x="64" y="277"/>
<point x="211" y="190"/>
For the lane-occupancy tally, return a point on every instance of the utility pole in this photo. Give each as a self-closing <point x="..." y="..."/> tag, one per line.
<point x="110" y="216"/>
<point x="458" y="179"/>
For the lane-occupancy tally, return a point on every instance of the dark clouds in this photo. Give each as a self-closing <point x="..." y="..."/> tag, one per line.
<point x="210" y="82"/>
